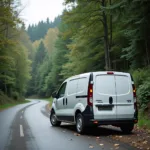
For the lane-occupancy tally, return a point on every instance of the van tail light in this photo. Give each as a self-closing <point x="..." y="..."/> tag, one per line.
<point x="134" y="96"/>
<point x="134" y="91"/>
<point x="90" y="95"/>
<point x="110" y="72"/>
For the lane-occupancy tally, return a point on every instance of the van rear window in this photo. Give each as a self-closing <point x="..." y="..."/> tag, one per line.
<point x="105" y="84"/>
<point x="122" y="85"/>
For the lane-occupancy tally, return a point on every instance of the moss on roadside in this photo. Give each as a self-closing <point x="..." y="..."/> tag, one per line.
<point x="144" y="121"/>
<point x="12" y="103"/>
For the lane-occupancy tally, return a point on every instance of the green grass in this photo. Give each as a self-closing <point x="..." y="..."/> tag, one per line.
<point x="144" y="121"/>
<point x="7" y="105"/>
<point x="50" y="100"/>
<point x="45" y="99"/>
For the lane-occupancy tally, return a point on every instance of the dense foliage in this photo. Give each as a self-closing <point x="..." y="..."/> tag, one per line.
<point x="14" y="52"/>
<point x="36" y="32"/>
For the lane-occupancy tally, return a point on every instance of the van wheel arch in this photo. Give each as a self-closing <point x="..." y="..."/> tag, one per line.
<point x="76" y="113"/>
<point x="52" y="110"/>
<point x="80" y="126"/>
<point x="53" y="119"/>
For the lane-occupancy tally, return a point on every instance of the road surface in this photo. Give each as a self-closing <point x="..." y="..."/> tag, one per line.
<point x="27" y="127"/>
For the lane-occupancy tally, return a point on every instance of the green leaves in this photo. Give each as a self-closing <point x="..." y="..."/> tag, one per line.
<point x="137" y="26"/>
<point x="14" y="62"/>
<point x="143" y="93"/>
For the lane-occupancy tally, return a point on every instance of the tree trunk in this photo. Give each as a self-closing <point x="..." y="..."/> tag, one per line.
<point x="5" y="86"/>
<point x="110" y="41"/>
<point x="147" y="53"/>
<point x="106" y="38"/>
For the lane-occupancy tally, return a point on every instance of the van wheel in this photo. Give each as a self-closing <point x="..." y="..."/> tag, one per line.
<point x="80" y="123"/>
<point x="54" y="120"/>
<point x="127" y="128"/>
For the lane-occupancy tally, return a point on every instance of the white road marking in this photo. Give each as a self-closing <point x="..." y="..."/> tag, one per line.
<point x="20" y="117"/>
<point x="21" y="131"/>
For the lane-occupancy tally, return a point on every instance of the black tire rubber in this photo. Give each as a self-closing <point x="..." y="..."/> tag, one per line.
<point x="55" y="123"/>
<point x="80" y="122"/>
<point x="127" y="128"/>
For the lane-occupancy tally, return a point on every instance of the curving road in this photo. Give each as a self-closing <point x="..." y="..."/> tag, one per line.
<point x="27" y="127"/>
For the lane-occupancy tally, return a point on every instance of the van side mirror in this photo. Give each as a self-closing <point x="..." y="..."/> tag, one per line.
<point x="54" y="95"/>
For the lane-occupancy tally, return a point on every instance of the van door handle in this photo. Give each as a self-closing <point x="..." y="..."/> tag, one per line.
<point x="63" y="101"/>
<point x="110" y="100"/>
<point x="66" y="101"/>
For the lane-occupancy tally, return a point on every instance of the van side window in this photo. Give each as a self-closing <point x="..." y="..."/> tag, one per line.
<point x="61" y="91"/>
<point x="82" y="84"/>
<point x="72" y="87"/>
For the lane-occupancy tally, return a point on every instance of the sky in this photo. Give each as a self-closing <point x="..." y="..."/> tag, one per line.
<point x="37" y="10"/>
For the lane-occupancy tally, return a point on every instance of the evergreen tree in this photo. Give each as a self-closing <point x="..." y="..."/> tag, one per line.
<point x="37" y="32"/>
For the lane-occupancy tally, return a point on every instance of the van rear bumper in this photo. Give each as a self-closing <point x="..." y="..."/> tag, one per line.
<point x="89" y="119"/>
<point x="116" y="122"/>
<point x="113" y="122"/>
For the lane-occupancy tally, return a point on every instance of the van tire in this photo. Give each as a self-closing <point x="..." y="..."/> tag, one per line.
<point x="127" y="128"/>
<point x="53" y="119"/>
<point x="80" y="127"/>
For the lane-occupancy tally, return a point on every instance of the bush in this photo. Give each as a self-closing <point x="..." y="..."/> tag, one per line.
<point x="4" y="98"/>
<point x="143" y="94"/>
<point x="140" y="76"/>
<point x="15" y="95"/>
<point x="144" y="121"/>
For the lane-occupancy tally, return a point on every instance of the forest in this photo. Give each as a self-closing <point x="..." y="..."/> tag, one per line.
<point x="93" y="35"/>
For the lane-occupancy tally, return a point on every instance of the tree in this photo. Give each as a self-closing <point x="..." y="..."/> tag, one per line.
<point x="37" y="32"/>
<point x="137" y="30"/>
<point x="14" y="62"/>
<point x="96" y="17"/>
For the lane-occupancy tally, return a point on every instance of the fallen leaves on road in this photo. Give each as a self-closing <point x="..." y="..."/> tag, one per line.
<point x="116" y="145"/>
<point x="145" y="142"/>
<point x="140" y="138"/>
<point x="91" y="146"/>
<point x="76" y="134"/>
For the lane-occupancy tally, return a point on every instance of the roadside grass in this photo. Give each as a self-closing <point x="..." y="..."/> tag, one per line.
<point x="13" y="103"/>
<point x="144" y="121"/>
<point x="50" y="100"/>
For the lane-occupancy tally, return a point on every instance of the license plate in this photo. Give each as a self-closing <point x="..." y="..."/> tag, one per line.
<point x="104" y="108"/>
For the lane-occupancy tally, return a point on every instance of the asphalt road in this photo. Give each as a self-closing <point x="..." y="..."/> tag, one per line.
<point x="27" y="127"/>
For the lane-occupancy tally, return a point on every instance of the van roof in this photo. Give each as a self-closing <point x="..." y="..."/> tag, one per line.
<point x="96" y="72"/>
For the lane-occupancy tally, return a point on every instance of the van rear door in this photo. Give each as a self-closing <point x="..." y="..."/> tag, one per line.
<point x="125" y="101"/>
<point x="104" y="96"/>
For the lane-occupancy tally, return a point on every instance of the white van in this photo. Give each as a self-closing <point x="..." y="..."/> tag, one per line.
<point x="96" y="98"/>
